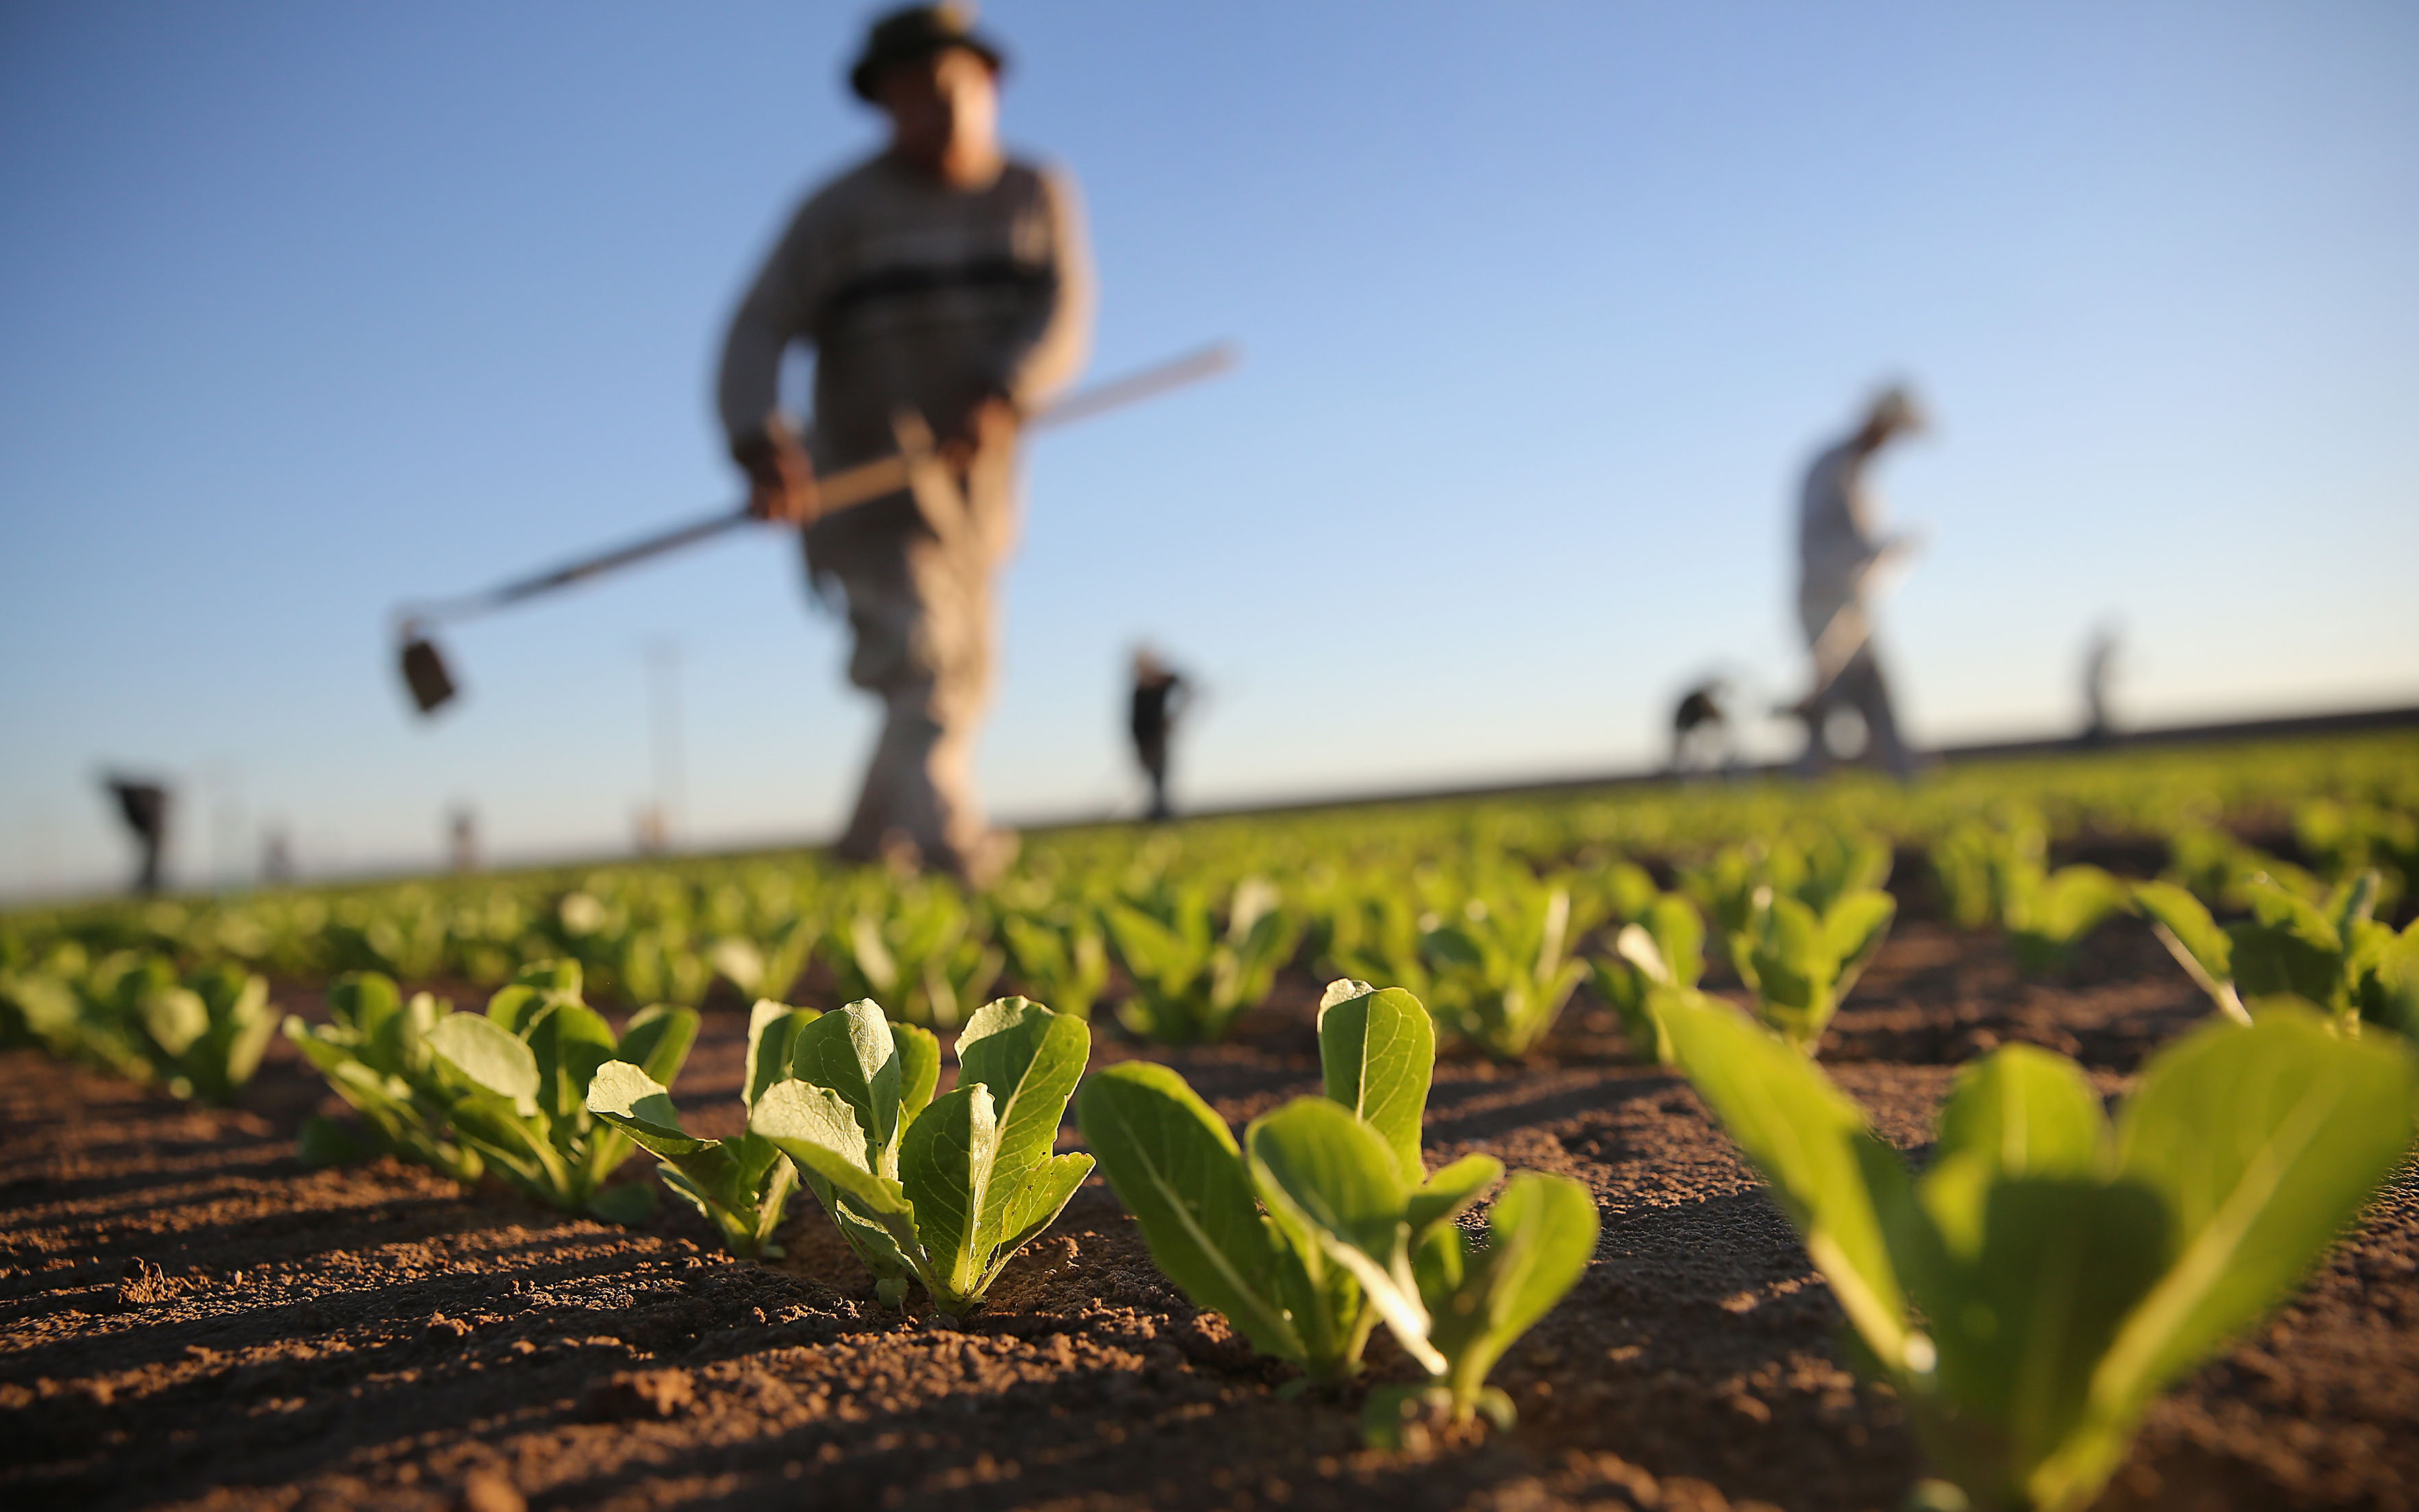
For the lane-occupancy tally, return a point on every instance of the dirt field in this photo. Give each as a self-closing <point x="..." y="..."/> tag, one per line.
<point x="194" y="1319"/>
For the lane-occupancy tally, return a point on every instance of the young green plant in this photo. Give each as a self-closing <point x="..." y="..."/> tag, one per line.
<point x="374" y="1051"/>
<point x="522" y="1072"/>
<point x="1800" y="964"/>
<point x="1324" y="1220"/>
<point x="2331" y="955"/>
<point x="2031" y="1293"/>
<point x="941" y="1189"/>
<point x="741" y="1183"/>
<point x="1662" y="951"/>
<point x="1191" y="978"/>
<point x="1501" y="972"/>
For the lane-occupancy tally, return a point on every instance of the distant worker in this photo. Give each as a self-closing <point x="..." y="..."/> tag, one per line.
<point x="143" y="806"/>
<point x="462" y="839"/>
<point x="948" y="288"/>
<point x="2099" y="669"/>
<point x="1701" y="728"/>
<point x="1159" y="695"/>
<point x="1839" y="556"/>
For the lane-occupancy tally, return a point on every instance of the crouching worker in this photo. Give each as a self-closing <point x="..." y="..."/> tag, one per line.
<point x="946" y="289"/>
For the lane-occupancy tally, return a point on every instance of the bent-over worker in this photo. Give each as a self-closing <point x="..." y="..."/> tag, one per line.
<point x="1839" y="550"/>
<point x="945" y="285"/>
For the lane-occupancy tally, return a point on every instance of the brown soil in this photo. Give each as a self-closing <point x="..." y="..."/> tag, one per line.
<point x="194" y="1319"/>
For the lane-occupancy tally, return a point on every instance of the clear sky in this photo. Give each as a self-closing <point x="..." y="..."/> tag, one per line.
<point x="307" y="308"/>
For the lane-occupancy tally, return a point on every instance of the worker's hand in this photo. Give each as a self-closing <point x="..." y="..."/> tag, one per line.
<point x="990" y="422"/>
<point x="781" y="481"/>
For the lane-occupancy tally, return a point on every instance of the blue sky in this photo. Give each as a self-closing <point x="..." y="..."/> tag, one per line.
<point x="309" y="308"/>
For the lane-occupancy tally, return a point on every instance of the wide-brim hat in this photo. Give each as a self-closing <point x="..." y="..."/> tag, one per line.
<point x="916" y="32"/>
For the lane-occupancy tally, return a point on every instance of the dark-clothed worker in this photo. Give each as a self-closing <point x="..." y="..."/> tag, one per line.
<point x="1701" y="727"/>
<point x="1159" y="694"/>
<point x="1840" y="550"/>
<point x="945" y="283"/>
<point x="143" y="806"/>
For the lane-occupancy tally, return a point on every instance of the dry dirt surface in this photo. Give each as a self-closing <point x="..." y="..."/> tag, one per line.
<point x="191" y="1318"/>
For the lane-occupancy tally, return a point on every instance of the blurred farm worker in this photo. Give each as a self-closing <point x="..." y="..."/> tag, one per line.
<point x="143" y="806"/>
<point x="946" y="291"/>
<point x="1701" y="728"/>
<point x="1159" y="694"/>
<point x="1839" y="555"/>
<point x="2099" y="670"/>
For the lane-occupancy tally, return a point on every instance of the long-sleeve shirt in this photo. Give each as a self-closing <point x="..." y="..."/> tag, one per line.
<point x="1836" y="540"/>
<point x="914" y="294"/>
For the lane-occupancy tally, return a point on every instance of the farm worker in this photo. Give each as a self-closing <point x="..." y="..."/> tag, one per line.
<point x="945" y="288"/>
<point x="2099" y="670"/>
<point x="1839" y="553"/>
<point x="1159" y="694"/>
<point x="143" y="806"/>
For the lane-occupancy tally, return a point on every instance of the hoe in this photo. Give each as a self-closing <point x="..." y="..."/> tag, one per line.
<point x="431" y="683"/>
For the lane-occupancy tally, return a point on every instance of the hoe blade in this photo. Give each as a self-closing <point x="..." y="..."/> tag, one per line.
<point x="424" y="673"/>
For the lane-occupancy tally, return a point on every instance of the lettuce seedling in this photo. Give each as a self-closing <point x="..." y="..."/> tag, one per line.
<point x="921" y="946"/>
<point x="1503" y="971"/>
<point x="1480" y="1298"/>
<point x="206" y="1034"/>
<point x="742" y="1183"/>
<point x="374" y="1052"/>
<point x="2048" y="914"/>
<point x="1061" y="955"/>
<point x="943" y="1189"/>
<point x="2332" y="955"/>
<point x="522" y="1072"/>
<point x="2031" y="1293"/>
<point x="1663" y="951"/>
<point x="1191" y="980"/>
<point x="1324" y="1220"/>
<point x="1800" y="964"/>
<point x="2183" y="925"/>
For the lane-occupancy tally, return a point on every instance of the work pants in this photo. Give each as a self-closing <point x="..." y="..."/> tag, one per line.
<point x="1859" y="685"/>
<point x="917" y="578"/>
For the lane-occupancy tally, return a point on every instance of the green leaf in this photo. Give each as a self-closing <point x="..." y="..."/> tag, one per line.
<point x="817" y="1127"/>
<point x="175" y="1018"/>
<point x="944" y="1167"/>
<point x="919" y="1069"/>
<point x="2022" y="1111"/>
<point x="2019" y="1112"/>
<point x="489" y="1056"/>
<point x="626" y="1097"/>
<point x="773" y="1032"/>
<point x="2021" y="1322"/>
<point x="629" y="1203"/>
<point x="852" y="1053"/>
<point x="1814" y="1146"/>
<point x="2183" y="925"/>
<point x="1175" y="1166"/>
<point x="1450" y="1192"/>
<point x="360" y="1000"/>
<point x="1039" y="1199"/>
<point x="1679" y="936"/>
<point x="2263" y="1142"/>
<point x="568" y="1042"/>
<point x="1376" y="1051"/>
<point x="1541" y="1232"/>
<point x="657" y="1040"/>
<point x="1853" y="931"/>
<point x="1335" y="1188"/>
<point x="1030" y="1058"/>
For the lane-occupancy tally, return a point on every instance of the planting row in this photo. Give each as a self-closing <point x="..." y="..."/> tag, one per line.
<point x="2029" y="1293"/>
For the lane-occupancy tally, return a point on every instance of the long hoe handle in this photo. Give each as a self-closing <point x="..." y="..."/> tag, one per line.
<point x="845" y="490"/>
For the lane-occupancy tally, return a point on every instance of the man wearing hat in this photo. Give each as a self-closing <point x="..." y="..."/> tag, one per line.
<point x="946" y="289"/>
<point x="1839" y="554"/>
